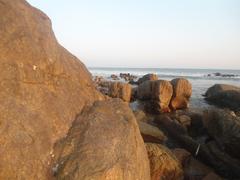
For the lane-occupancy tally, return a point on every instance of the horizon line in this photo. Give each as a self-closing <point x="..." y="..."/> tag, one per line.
<point x="160" y="68"/>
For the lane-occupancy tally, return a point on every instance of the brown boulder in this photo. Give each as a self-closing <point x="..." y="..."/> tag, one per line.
<point x="182" y="91"/>
<point x="224" y="95"/>
<point x="163" y="164"/>
<point x="147" y="77"/>
<point x="43" y="87"/>
<point x="158" y="92"/>
<point x="103" y="143"/>
<point x="120" y="90"/>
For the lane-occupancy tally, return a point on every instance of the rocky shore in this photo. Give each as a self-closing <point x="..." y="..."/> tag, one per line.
<point x="199" y="143"/>
<point x="58" y="123"/>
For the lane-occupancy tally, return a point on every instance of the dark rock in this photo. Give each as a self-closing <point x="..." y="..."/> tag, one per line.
<point x="224" y="96"/>
<point x="210" y="153"/>
<point x="128" y="77"/>
<point x="114" y="77"/>
<point x="225" y="129"/>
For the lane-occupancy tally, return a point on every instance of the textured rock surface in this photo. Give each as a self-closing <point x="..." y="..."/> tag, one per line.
<point x="163" y="163"/>
<point x="147" y="77"/>
<point x="224" y="96"/>
<point x="182" y="91"/>
<point x="151" y="133"/>
<point x="225" y="129"/>
<point x="120" y="90"/>
<point x="158" y="92"/>
<point x="42" y="88"/>
<point x="103" y="143"/>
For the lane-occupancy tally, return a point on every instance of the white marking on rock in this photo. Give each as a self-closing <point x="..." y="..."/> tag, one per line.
<point x="34" y="67"/>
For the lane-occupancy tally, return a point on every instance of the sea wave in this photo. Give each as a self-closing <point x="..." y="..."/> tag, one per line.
<point x="198" y="74"/>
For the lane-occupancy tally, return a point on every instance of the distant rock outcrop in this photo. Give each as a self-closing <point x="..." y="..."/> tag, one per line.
<point x="42" y="89"/>
<point x="147" y="77"/>
<point x="103" y="143"/>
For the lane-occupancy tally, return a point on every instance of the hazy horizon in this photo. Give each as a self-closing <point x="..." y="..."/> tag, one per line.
<point x="148" y="34"/>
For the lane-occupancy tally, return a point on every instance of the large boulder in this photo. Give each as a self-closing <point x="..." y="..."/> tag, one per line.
<point x="182" y="91"/>
<point x="103" y="143"/>
<point x="159" y="93"/>
<point x="163" y="163"/>
<point x="42" y="88"/>
<point x="147" y="77"/>
<point x="225" y="129"/>
<point x="224" y="95"/>
<point x="120" y="90"/>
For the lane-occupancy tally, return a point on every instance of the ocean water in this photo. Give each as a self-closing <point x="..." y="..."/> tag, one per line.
<point x="199" y="78"/>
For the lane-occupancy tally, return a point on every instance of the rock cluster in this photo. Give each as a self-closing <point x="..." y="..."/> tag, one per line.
<point x="165" y="95"/>
<point x="55" y="124"/>
<point x="158" y="95"/>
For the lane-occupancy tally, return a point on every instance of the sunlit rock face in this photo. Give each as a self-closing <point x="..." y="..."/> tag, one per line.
<point x="42" y="89"/>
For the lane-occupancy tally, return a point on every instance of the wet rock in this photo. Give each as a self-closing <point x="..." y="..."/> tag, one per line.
<point x="163" y="163"/>
<point x="224" y="95"/>
<point x="147" y="77"/>
<point x="103" y="143"/>
<point x="182" y="91"/>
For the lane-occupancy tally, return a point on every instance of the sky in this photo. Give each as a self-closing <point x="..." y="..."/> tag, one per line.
<point x="148" y="33"/>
